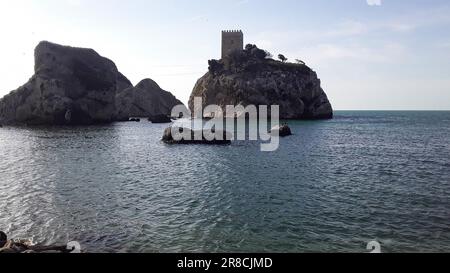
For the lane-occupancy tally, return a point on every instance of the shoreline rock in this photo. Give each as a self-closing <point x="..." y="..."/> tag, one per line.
<point x="15" y="246"/>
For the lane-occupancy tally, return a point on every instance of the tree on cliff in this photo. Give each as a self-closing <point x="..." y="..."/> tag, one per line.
<point x="282" y="58"/>
<point x="253" y="50"/>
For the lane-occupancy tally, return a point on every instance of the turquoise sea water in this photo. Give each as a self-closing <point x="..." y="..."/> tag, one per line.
<point x="332" y="187"/>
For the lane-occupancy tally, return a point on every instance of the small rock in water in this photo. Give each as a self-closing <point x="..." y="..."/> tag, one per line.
<point x="160" y="119"/>
<point x="219" y="137"/>
<point x="283" y="130"/>
<point x="135" y="119"/>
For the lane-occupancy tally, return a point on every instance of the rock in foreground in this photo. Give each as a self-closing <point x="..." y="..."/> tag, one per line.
<point x="15" y="246"/>
<point x="248" y="77"/>
<point x="219" y="137"/>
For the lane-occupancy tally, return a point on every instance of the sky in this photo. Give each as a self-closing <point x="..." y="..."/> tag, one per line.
<point x="369" y="54"/>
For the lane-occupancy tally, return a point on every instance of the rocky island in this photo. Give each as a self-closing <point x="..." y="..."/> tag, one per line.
<point x="251" y="77"/>
<point x="77" y="86"/>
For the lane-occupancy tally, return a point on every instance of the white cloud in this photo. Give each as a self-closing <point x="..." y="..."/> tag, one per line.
<point x="242" y="2"/>
<point x="374" y="2"/>
<point x="198" y="18"/>
<point x="445" y="45"/>
<point x="401" y="27"/>
<point x="322" y="54"/>
<point x="347" y="28"/>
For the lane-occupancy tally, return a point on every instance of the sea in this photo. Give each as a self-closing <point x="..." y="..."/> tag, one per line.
<point x="333" y="186"/>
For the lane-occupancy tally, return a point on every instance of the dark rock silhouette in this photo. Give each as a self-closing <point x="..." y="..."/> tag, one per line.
<point x="219" y="137"/>
<point x="66" y="79"/>
<point x="25" y="246"/>
<point x="77" y="86"/>
<point x="248" y="77"/>
<point x="160" y="119"/>
<point x="282" y="130"/>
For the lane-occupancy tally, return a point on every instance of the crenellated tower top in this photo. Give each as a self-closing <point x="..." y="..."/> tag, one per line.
<point x="232" y="40"/>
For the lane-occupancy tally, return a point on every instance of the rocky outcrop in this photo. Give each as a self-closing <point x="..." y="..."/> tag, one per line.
<point x="248" y="77"/>
<point x="197" y="136"/>
<point x="146" y="99"/>
<point x="77" y="86"/>
<point x="70" y="86"/>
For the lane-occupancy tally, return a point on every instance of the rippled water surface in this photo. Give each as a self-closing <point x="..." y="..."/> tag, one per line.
<point x="333" y="186"/>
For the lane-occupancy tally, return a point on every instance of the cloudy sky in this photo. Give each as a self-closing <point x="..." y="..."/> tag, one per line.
<point x="369" y="54"/>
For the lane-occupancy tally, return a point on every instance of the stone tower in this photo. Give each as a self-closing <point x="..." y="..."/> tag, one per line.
<point x="232" y="40"/>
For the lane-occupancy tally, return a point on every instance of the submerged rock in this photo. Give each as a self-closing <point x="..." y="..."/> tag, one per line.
<point x="218" y="137"/>
<point x="248" y="77"/>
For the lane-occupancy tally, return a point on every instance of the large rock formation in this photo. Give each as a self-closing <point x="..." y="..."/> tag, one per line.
<point x="78" y="86"/>
<point x="70" y="85"/>
<point x="146" y="99"/>
<point x="248" y="77"/>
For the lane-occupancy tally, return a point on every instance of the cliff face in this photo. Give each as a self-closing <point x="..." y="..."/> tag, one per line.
<point x="73" y="86"/>
<point x="146" y="99"/>
<point x="248" y="78"/>
<point x="70" y="85"/>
